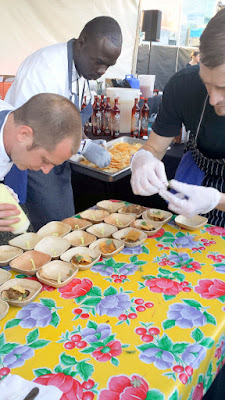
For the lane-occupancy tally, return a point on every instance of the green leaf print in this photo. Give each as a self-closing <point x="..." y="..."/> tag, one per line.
<point x="32" y="336"/>
<point x="11" y="324"/>
<point x="85" y="370"/>
<point x="42" y="371"/>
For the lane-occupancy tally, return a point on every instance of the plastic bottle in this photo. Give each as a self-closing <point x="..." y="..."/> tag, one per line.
<point x="102" y="109"/>
<point x="96" y="118"/>
<point x="107" y="118"/>
<point x="116" y="119"/>
<point x="135" y="118"/>
<point x="144" y="119"/>
<point x="23" y="224"/>
<point x="86" y="125"/>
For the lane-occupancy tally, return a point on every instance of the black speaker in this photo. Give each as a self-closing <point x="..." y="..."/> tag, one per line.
<point x="151" y="25"/>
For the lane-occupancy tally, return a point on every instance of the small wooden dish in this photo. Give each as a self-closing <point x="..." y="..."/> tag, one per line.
<point x="77" y="223"/>
<point x="121" y="221"/>
<point x="148" y="214"/>
<point x="119" y="245"/>
<point x="8" y="253"/>
<point x="134" y="209"/>
<point x="140" y="223"/>
<point x="80" y="238"/>
<point x="4" y="276"/>
<point x="4" y="308"/>
<point x="54" y="228"/>
<point x="57" y="273"/>
<point x="102" y="230"/>
<point x="53" y="246"/>
<point x="95" y="216"/>
<point x="123" y="232"/>
<point x="191" y="224"/>
<point x="30" y="262"/>
<point x="34" y="288"/>
<point x="110" y="206"/>
<point x="95" y="254"/>
<point x="26" y="241"/>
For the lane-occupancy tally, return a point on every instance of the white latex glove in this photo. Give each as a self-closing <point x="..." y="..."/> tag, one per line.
<point x="11" y="191"/>
<point x="95" y="153"/>
<point x="190" y="199"/>
<point x="148" y="174"/>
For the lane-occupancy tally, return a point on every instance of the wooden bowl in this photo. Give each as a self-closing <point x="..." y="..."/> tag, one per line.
<point x="57" y="273"/>
<point x="134" y="209"/>
<point x="117" y="243"/>
<point x="95" y="216"/>
<point x="155" y="213"/>
<point x="140" y="224"/>
<point x="8" y="253"/>
<point x="94" y="254"/>
<point x="33" y="286"/>
<point x="123" y="232"/>
<point x="30" y="262"/>
<point x="4" y="308"/>
<point x="77" y="223"/>
<point x="121" y="221"/>
<point x="53" y="246"/>
<point x="54" y="228"/>
<point x="4" y="276"/>
<point x="110" y="206"/>
<point x="102" y="230"/>
<point x="26" y="241"/>
<point x="191" y="224"/>
<point x="80" y="238"/>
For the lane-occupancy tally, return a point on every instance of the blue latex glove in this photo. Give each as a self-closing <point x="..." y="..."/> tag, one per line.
<point x="95" y="153"/>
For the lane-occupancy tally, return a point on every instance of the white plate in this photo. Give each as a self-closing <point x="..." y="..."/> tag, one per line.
<point x="191" y="224"/>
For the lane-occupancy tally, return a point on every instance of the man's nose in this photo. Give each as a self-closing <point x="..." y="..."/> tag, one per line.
<point x="46" y="168"/>
<point x="215" y="96"/>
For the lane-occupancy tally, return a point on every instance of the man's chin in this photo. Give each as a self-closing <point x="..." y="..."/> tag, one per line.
<point x="220" y="110"/>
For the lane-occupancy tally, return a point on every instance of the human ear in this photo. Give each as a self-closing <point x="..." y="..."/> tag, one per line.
<point x="25" y="135"/>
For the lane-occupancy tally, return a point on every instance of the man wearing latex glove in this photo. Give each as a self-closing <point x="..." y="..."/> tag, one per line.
<point x="194" y="97"/>
<point x="152" y="177"/>
<point x="95" y="152"/>
<point x="64" y="68"/>
<point x="191" y="199"/>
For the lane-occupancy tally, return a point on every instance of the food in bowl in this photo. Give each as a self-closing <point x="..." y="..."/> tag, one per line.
<point x="81" y="259"/>
<point x="107" y="246"/>
<point x="133" y="208"/>
<point x="145" y="226"/>
<point x="157" y="215"/>
<point x="15" y="293"/>
<point x="132" y="236"/>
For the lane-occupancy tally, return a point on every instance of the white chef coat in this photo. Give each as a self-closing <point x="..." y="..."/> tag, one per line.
<point x="5" y="161"/>
<point x="45" y="71"/>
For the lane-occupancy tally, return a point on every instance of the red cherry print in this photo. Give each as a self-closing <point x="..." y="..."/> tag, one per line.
<point x="170" y="263"/>
<point x="139" y="301"/>
<point x="207" y="244"/>
<point x="81" y="344"/>
<point x="154" y="331"/>
<point x="162" y="263"/>
<point x="159" y="245"/>
<point x="88" y="395"/>
<point x="76" y="338"/>
<point x="212" y="242"/>
<point x="77" y="311"/>
<point x="118" y="280"/>
<point x="149" y="304"/>
<point x="122" y="317"/>
<point x="166" y="248"/>
<point x="85" y="316"/>
<point x="189" y="370"/>
<point x="204" y="240"/>
<point x="132" y="315"/>
<point x="183" y="378"/>
<point x="69" y="345"/>
<point x="201" y="248"/>
<point x="184" y="283"/>
<point x="114" y="276"/>
<point x="123" y="277"/>
<point x="210" y="256"/>
<point x="140" y="308"/>
<point x="88" y="384"/>
<point x="178" y="368"/>
<point x="147" y="338"/>
<point x="4" y="371"/>
<point x="186" y="289"/>
<point x="194" y="249"/>
<point x="140" y="331"/>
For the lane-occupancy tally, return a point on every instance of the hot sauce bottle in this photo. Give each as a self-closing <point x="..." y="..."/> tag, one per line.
<point x="107" y="118"/>
<point x="86" y="125"/>
<point x="144" y="119"/>
<point x="102" y="109"/>
<point x="135" y="118"/>
<point x="96" y="118"/>
<point x="116" y="119"/>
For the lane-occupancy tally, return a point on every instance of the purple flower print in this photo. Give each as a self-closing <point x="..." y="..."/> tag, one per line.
<point x="185" y="242"/>
<point x="193" y="355"/>
<point x="127" y="269"/>
<point x="186" y="316"/>
<point x="16" y="358"/>
<point x="162" y="359"/>
<point x="91" y="335"/>
<point x="103" y="269"/>
<point x="132" y="250"/>
<point x="113" y="305"/>
<point x="34" y="315"/>
<point x="178" y="259"/>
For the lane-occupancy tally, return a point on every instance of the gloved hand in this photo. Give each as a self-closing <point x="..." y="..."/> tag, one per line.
<point x="11" y="191"/>
<point x="95" y="153"/>
<point x="190" y="199"/>
<point x="148" y="174"/>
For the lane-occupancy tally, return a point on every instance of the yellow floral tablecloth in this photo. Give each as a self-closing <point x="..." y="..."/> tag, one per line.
<point x="145" y="324"/>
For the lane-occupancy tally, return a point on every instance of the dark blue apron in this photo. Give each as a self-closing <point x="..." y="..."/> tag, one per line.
<point x="3" y="115"/>
<point x="197" y="169"/>
<point x="50" y="197"/>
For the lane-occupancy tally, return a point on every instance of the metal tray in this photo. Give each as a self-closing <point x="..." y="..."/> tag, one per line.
<point x="102" y="175"/>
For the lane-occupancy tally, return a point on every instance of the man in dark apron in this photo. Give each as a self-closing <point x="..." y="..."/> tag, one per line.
<point x="195" y="97"/>
<point x="65" y="68"/>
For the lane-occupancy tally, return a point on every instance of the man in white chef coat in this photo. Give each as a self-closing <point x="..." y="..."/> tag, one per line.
<point x="65" y="69"/>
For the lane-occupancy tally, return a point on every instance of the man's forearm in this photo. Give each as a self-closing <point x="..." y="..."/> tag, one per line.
<point x="157" y="145"/>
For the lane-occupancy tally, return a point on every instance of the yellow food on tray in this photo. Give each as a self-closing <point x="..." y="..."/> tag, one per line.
<point x="157" y="215"/>
<point x="79" y="259"/>
<point x="107" y="246"/>
<point x="121" y="153"/>
<point x="132" y="237"/>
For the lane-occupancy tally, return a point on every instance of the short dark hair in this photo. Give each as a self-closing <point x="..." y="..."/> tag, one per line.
<point x="195" y="53"/>
<point x="212" y="41"/>
<point x="103" y="27"/>
<point x="52" y="118"/>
